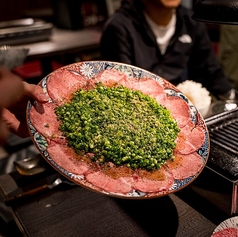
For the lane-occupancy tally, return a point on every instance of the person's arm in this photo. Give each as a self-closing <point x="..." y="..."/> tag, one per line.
<point x="11" y="87"/>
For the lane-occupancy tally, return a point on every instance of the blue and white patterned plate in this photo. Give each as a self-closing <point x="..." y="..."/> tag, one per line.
<point x="89" y="70"/>
<point x="228" y="227"/>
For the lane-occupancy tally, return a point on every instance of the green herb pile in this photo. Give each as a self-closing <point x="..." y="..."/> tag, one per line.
<point x="119" y="125"/>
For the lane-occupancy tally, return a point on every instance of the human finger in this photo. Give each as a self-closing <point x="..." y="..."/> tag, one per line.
<point x="36" y="92"/>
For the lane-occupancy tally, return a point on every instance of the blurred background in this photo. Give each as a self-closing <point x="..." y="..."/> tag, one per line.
<point x="70" y="15"/>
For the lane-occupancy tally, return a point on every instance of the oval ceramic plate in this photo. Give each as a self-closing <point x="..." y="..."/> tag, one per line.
<point x="90" y="70"/>
<point x="229" y="227"/>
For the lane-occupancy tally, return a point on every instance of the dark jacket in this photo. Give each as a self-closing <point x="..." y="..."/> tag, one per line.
<point x="128" y="38"/>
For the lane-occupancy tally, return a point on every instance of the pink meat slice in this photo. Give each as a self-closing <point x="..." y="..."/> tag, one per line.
<point x="161" y="99"/>
<point x="147" y="86"/>
<point x="108" y="184"/>
<point x="62" y="83"/>
<point x="190" y="139"/>
<point x="110" y="77"/>
<point x="149" y="185"/>
<point x="44" y="119"/>
<point x="179" y="109"/>
<point x="66" y="158"/>
<point x="184" y="166"/>
<point x="226" y="232"/>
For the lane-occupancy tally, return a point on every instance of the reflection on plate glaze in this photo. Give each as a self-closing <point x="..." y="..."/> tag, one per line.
<point x="90" y="70"/>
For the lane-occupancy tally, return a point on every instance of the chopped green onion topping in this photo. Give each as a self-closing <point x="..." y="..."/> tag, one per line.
<point x="119" y="125"/>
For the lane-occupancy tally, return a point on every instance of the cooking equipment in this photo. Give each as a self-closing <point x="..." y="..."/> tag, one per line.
<point x="223" y="129"/>
<point x="216" y="11"/>
<point x="19" y="194"/>
<point x="12" y="199"/>
<point x="23" y="31"/>
<point x="221" y="175"/>
<point x="31" y="166"/>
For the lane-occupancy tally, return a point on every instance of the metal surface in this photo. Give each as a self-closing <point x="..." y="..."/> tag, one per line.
<point x="223" y="158"/>
<point x="221" y="174"/>
<point x="31" y="166"/>
<point x="24" y="31"/>
<point x="216" y="11"/>
<point x="16" y="23"/>
<point x="223" y="129"/>
<point x="19" y="197"/>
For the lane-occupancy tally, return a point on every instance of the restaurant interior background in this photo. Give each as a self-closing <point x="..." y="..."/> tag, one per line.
<point x="69" y="15"/>
<point x="63" y="14"/>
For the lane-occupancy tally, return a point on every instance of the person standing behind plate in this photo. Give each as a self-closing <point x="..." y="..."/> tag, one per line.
<point x="161" y="37"/>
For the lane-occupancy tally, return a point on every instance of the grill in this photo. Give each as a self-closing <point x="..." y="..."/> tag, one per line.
<point x="223" y="130"/>
<point x="218" y="183"/>
<point x="24" y="31"/>
<point x="224" y="135"/>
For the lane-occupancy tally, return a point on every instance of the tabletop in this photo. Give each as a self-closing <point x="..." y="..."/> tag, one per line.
<point x="76" y="211"/>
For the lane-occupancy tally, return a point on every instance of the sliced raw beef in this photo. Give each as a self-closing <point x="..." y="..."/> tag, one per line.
<point x="44" y="119"/>
<point x="179" y="109"/>
<point x="163" y="180"/>
<point x="109" y="184"/>
<point x="62" y="83"/>
<point x="184" y="166"/>
<point x="161" y="99"/>
<point x="227" y="232"/>
<point x="116" y="172"/>
<point x="149" y="87"/>
<point x="190" y="138"/>
<point x="110" y="77"/>
<point x="129" y="82"/>
<point x="146" y="85"/>
<point x="66" y="158"/>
